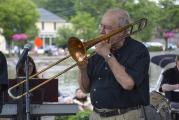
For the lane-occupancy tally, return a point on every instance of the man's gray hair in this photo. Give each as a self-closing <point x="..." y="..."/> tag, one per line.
<point x="122" y="15"/>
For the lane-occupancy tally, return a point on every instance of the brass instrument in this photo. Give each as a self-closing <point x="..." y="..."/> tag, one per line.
<point x="78" y="51"/>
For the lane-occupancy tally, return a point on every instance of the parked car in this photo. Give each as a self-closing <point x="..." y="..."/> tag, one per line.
<point x="172" y="46"/>
<point x="40" y="51"/>
<point x="154" y="46"/>
<point x="51" y="50"/>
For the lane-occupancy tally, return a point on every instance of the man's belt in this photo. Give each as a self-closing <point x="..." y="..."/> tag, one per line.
<point x="113" y="112"/>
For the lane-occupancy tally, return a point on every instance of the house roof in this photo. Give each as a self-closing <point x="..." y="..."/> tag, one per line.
<point x="47" y="16"/>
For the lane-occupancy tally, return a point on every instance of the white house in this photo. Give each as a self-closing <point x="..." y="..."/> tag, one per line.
<point x="48" y="25"/>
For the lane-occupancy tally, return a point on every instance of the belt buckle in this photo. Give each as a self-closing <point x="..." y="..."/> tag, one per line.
<point x="122" y="111"/>
<point x="119" y="111"/>
<point x="103" y="113"/>
<point x="109" y="113"/>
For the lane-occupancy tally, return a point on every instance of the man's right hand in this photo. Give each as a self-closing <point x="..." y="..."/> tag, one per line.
<point x="83" y="65"/>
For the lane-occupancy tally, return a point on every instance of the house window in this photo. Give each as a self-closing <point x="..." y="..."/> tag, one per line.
<point x="55" y="25"/>
<point x="43" y="26"/>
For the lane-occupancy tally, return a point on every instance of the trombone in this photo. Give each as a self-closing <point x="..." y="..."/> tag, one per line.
<point x="78" y="51"/>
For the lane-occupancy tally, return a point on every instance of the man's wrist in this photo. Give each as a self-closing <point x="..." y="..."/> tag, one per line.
<point x="177" y="86"/>
<point x="108" y="57"/>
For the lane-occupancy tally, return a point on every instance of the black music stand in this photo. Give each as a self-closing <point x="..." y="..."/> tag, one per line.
<point x="27" y="100"/>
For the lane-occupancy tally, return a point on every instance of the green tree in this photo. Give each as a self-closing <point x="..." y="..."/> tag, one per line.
<point x="169" y="18"/>
<point x="17" y="16"/>
<point x="68" y="8"/>
<point x="40" y="3"/>
<point x="143" y="9"/>
<point x="95" y="7"/>
<point x="63" y="35"/>
<point x="169" y="12"/>
<point x="85" y="25"/>
<point x="63" y="8"/>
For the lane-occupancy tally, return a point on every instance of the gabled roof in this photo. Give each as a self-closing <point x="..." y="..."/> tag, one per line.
<point x="47" y="16"/>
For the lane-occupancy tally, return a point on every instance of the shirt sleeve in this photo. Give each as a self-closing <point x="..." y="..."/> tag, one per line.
<point x="137" y="67"/>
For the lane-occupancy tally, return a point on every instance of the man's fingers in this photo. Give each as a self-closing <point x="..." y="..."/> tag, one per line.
<point x="83" y="64"/>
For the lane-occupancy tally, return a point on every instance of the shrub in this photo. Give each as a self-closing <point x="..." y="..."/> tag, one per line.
<point x="84" y="115"/>
<point x="155" y="48"/>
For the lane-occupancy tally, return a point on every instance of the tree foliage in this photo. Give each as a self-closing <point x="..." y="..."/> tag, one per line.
<point x="63" y="8"/>
<point x="40" y="3"/>
<point x="95" y="7"/>
<point x="85" y="25"/>
<point x="169" y="18"/>
<point x="82" y="115"/>
<point x="17" y="16"/>
<point x="63" y="35"/>
<point x="143" y="9"/>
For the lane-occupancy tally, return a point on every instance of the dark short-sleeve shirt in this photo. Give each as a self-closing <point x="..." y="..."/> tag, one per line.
<point x="171" y="76"/>
<point x="106" y="92"/>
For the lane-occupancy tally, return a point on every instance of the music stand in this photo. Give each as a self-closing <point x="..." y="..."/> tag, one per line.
<point x="27" y="100"/>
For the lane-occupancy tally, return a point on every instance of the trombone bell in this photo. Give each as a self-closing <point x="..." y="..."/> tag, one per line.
<point x="77" y="49"/>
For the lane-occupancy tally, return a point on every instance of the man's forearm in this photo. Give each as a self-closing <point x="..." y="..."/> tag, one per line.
<point x="120" y="74"/>
<point x="84" y="81"/>
<point x="168" y="87"/>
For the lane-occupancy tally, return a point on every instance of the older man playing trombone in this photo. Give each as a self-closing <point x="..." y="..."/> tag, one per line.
<point x="117" y="76"/>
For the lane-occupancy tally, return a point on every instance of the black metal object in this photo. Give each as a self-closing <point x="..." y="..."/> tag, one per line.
<point x="27" y="100"/>
<point x="50" y="109"/>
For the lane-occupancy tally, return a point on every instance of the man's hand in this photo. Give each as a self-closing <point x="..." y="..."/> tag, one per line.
<point x="103" y="48"/>
<point x="83" y="65"/>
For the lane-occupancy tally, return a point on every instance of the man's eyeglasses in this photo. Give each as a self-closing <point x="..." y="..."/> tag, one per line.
<point x="122" y="22"/>
<point x="107" y="27"/>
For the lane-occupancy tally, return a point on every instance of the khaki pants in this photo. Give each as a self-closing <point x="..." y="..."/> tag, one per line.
<point x="131" y="115"/>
